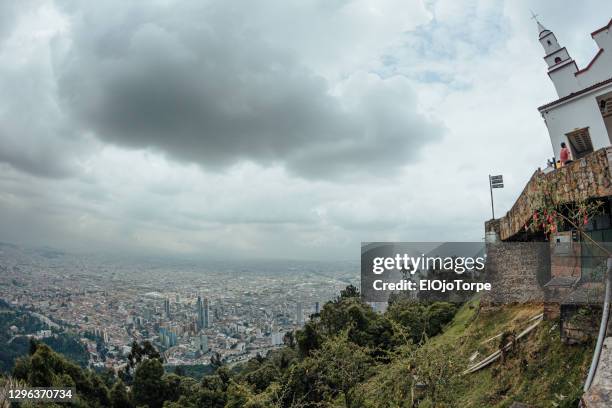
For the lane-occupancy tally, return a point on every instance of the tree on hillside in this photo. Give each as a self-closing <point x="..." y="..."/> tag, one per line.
<point x="119" y="397"/>
<point x="289" y="339"/>
<point x="148" y="388"/>
<point x="421" y="320"/>
<point x="216" y="361"/>
<point x="142" y="352"/>
<point x="139" y="353"/>
<point x="46" y="368"/>
<point x="308" y="339"/>
<point x="349" y="292"/>
<point x="438" y="373"/>
<point x="345" y="365"/>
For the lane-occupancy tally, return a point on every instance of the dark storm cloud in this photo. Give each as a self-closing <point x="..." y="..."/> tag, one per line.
<point x="203" y="84"/>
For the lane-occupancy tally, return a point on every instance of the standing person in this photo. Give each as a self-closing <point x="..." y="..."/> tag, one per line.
<point x="565" y="155"/>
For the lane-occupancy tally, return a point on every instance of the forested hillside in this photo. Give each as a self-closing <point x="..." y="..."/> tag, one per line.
<point x="15" y="328"/>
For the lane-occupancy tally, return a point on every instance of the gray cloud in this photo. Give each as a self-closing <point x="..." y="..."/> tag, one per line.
<point x="93" y="92"/>
<point x="9" y="14"/>
<point x="36" y="136"/>
<point x="202" y="84"/>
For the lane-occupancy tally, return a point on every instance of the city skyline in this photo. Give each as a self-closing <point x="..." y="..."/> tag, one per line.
<point x="189" y="311"/>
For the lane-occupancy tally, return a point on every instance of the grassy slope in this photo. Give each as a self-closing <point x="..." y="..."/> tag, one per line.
<point x="540" y="371"/>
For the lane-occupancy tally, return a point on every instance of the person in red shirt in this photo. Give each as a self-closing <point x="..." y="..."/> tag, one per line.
<point x="565" y="155"/>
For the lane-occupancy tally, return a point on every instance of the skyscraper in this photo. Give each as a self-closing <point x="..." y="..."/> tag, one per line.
<point x="167" y="308"/>
<point x="203" y="310"/>
<point x="200" y="313"/>
<point x="167" y="337"/>
<point x="299" y="314"/>
<point x="206" y="313"/>
<point x="317" y="308"/>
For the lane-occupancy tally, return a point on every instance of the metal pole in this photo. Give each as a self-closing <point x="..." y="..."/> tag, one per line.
<point x="491" y="189"/>
<point x="602" y="328"/>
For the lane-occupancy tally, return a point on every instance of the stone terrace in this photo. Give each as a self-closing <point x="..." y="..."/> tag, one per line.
<point x="588" y="177"/>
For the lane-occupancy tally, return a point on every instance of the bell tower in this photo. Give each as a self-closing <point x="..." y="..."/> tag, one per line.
<point x="561" y="67"/>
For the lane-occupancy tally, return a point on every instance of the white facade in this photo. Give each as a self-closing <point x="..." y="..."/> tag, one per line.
<point x="276" y="339"/>
<point x="582" y="116"/>
<point x="201" y="343"/>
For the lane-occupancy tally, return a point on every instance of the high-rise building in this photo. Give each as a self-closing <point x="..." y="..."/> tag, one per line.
<point x="200" y="313"/>
<point x="276" y="338"/>
<point x="317" y="308"/>
<point x="299" y="314"/>
<point x="167" y="308"/>
<point x="203" y="310"/>
<point x="206" y="313"/>
<point x="202" y="343"/>
<point x="167" y="337"/>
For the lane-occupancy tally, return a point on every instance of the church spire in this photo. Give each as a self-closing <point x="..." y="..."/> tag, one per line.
<point x="561" y="66"/>
<point x="547" y="39"/>
<point x="541" y="29"/>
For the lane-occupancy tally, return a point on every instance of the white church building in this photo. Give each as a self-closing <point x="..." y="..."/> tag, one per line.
<point x="582" y="116"/>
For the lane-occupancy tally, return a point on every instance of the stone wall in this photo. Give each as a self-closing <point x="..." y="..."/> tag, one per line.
<point x="577" y="327"/>
<point x="517" y="272"/>
<point x="585" y="178"/>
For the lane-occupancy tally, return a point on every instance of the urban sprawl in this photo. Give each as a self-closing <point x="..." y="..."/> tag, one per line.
<point x="189" y="310"/>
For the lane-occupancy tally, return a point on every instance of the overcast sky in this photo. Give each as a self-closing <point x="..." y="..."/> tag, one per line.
<point x="271" y="129"/>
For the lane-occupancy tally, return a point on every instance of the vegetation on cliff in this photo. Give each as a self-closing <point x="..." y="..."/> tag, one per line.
<point x="14" y="323"/>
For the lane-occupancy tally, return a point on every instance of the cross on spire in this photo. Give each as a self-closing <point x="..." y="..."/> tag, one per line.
<point x="534" y="17"/>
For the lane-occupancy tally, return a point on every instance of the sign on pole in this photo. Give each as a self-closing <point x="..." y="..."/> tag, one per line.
<point x="495" y="182"/>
